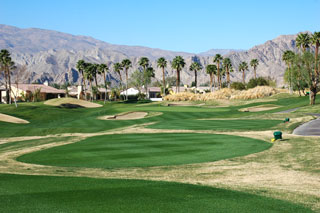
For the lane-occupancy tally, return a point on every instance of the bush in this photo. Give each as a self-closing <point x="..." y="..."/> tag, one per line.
<point x="238" y="86"/>
<point x="257" y="82"/>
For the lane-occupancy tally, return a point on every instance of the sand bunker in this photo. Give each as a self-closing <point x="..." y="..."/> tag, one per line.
<point x="259" y="108"/>
<point x="11" y="119"/>
<point x="71" y="103"/>
<point x="125" y="116"/>
<point x="184" y="104"/>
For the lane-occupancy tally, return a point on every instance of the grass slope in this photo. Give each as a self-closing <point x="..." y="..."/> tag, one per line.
<point x="142" y="150"/>
<point x="67" y="194"/>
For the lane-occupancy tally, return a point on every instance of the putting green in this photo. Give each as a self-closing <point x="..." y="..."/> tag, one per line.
<point x="144" y="150"/>
<point x="19" y="193"/>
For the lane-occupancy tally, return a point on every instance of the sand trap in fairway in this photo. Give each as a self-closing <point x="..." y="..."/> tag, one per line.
<point x="125" y="116"/>
<point x="184" y="104"/>
<point x="71" y="103"/>
<point x="259" y="108"/>
<point x="11" y="119"/>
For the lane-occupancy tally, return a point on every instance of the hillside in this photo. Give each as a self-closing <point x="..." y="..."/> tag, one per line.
<point x="52" y="55"/>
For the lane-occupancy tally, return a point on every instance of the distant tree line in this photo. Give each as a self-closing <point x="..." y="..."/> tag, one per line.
<point x="142" y="77"/>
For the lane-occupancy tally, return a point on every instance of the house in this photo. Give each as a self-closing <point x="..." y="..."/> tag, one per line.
<point x="2" y="91"/>
<point x="27" y="91"/>
<point x="77" y="92"/>
<point x="154" y="93"/>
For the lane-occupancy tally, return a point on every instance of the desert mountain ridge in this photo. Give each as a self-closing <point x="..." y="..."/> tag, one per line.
<point x="52" y="56"/>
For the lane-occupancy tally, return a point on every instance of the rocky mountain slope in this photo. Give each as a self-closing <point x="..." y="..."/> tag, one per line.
<point x="52" y="56"/>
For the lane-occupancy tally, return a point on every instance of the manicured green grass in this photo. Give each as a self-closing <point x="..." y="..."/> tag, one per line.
<point x="69" y="194"/>
<point x="143" y="150"/>
<point x="46" y="120"/>
<point x="220" y="125"/>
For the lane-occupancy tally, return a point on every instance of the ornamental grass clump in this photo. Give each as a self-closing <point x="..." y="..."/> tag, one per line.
<point x="224" y="94"/>
<point x="254" y="93"/>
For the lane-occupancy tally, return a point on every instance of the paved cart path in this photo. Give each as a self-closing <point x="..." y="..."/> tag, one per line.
<point x="311" y="128"/>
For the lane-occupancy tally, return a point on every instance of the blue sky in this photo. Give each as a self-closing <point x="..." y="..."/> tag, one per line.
<point x="180" y="25"/>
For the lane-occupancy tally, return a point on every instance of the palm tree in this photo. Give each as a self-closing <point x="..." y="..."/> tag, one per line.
<point x="102" y="70"/>
<point x="95" y="72"/>
<point x="316" y="42"/>
<point x="243" y="67"/>
<point x="162" y="63"/>
<point x="117" y="68"/>
<point x="315" y="79"/>
<point x="178" y="64"/>
<point x="89" y="75"/>
<point x="303" y="41"/>
<point x="144" y="63"/>
<point x="7" y="65"/>
<point x="217" y="59"/>
<point x="288" y="57"/>
<point x="211" y="69"/>
<point x="126" y="64"/>
<point x="227" y="66"/>
<point x="195" y="66"/>
<point x="81" y="66"/>
<point x="254" y="63"/>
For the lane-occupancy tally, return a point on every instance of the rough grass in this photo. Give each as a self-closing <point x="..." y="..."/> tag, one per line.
<point x="143" y="150"/>
<point x="62" y="194"/>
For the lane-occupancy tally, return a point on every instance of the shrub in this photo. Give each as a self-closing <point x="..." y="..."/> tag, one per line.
<point x="237" y="86"/>
<point x="257" y="82"/>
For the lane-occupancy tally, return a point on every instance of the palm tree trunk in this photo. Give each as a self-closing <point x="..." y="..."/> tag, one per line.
<point x="228" y="78"/>
<point x="91" y="90"/>
<point x="9" y="79"/>
<point x="177" y="81"/>
<point x="120" y="79"/>
<point x="6" y="85"/>
<point x="126" y="84"/>
<point x="195" y="79"/>
<point x="313" y="92"/>
<point x="255" y="73"/>
<point x="316" y="60"/>
<point x="243" y="77"/>
<point x="219" y="80"/>
<point x="84" y="86"/>
<point x="211" y="82"/>
<point x="163" y="82"/>
<point x="214" y="81"/>
<point x="105" y="86"/>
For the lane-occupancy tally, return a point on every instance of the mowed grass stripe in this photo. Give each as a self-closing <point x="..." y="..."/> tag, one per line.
<point x="20" y="193"/>
<point x="217" y="124"/>
<point x="145" y="150"/>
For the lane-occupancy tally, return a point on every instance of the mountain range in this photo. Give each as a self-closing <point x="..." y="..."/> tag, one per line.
<point x="52" y="56"/>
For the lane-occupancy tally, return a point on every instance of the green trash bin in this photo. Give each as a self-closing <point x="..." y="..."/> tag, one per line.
<point x="277" y="135"/>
